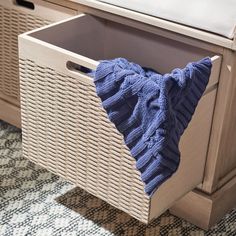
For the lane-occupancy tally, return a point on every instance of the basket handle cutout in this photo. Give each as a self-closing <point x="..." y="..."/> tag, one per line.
<point x="74" y="67"/>
<point x="26" y="4"/>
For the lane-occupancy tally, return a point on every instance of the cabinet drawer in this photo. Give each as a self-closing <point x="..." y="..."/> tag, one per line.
<point x="16" y="19"/>
<point x="66" y="130"/>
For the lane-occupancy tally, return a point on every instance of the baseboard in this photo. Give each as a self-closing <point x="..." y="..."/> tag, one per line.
<point x="206" y="210"/>
<point x="10" y="113"/>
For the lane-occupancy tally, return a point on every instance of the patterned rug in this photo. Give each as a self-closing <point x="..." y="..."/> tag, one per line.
<point x="34" y="202"/>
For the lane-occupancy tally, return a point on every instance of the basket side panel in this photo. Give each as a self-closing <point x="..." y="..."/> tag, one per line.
<point x="66" y="131"/>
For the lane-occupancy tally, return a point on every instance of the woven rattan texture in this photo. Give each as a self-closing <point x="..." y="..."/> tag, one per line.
<point x="13" y="23"/>
<point x="66" y="131"/>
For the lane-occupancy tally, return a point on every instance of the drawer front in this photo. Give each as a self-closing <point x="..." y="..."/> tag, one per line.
<point x="14" y="20"/>
<point x="66" y="130"/>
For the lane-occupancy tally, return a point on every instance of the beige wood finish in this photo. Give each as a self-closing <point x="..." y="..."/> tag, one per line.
<point x="222" y="149"/>
<point x="115" y="40"/>
<point x="78" y="46"/>
<point x="193" y="148"/>
<point x="157" y="22"/>
<point x="204" y="210"/>
<point x="10" y="113"/>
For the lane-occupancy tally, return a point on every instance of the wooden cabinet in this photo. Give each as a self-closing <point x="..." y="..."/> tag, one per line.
<point x="212" y="161"/>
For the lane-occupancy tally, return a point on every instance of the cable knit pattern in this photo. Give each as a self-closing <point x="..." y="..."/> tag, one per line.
<point x="151" y="111"/>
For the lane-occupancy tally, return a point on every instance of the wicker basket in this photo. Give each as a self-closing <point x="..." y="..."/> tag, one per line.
<point x="65" y="129"/>
<point x="14" y="20"/>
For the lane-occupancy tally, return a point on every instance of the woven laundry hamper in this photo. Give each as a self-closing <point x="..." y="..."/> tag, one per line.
<point x="16" y="17"/>
<point x="65" y="128"/>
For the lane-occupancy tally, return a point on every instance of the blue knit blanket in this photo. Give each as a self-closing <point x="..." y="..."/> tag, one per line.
<point x="151" y="111"/>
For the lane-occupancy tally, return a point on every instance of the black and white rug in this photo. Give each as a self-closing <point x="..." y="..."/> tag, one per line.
<point x="34" y="202"/>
